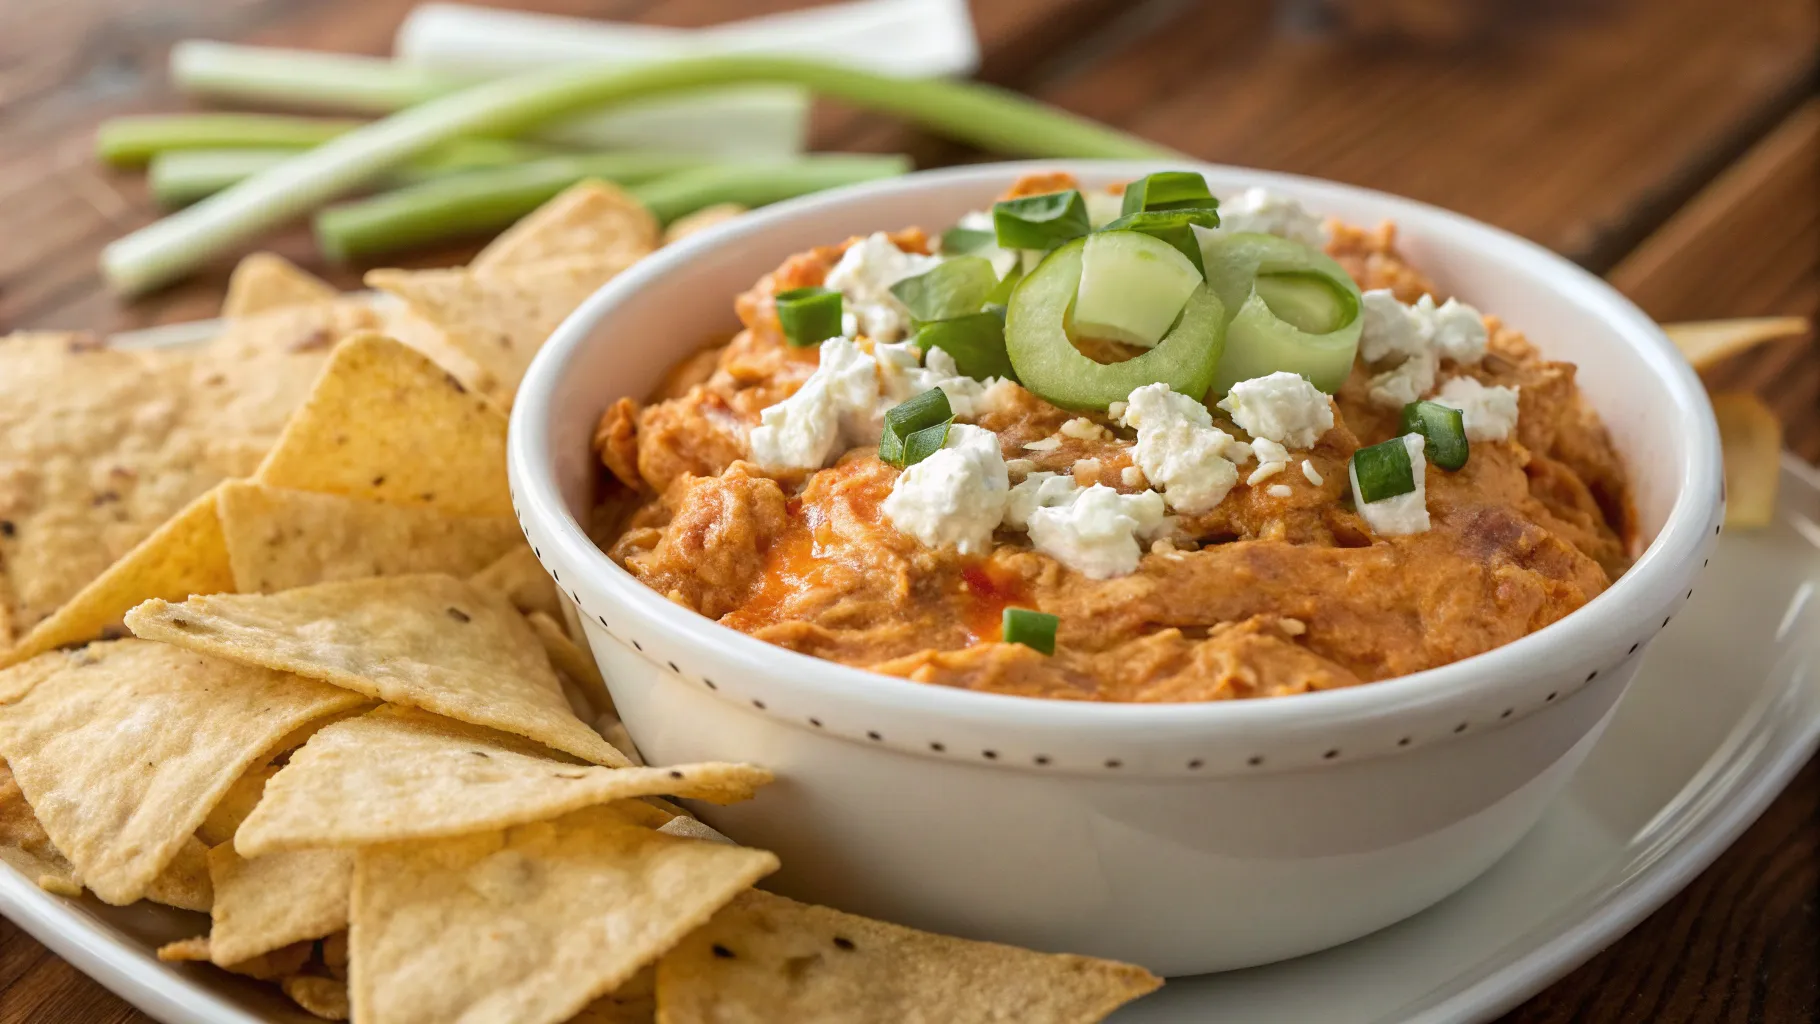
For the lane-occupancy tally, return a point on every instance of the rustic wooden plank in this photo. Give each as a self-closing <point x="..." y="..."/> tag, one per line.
<point x="1579" y="125"/>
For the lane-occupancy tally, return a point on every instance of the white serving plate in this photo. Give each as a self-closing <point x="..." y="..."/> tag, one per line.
<point x="1724" y="712"/>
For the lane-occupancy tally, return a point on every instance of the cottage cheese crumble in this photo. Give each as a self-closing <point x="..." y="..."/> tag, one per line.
<point x="955" y="497"/>
<point x="1096" y="534"/>
<point x="1180" y="450"/>
<point x="1490" y="413"/>
<point x="1281" y="407"/>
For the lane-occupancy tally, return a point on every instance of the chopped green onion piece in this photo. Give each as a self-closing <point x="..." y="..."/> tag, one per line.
<point x="810" y="316"/>
<point x="1040" y="222"/>
<point x="959" y="241"/>
<point x="1383" y="471"/>
<point x="1035" y="630"/>
<point x="916" y="429"/>
<point x="1132" y="287"/>
<point x="951" y="288"/>
<point x="132" y="140"/>
<point x="760" y="182"/>
<point x="1307" y="302"/>
<point x="976" y="341"/>
<point x="1168" y="190"/>
<point x="1445" y="428"/>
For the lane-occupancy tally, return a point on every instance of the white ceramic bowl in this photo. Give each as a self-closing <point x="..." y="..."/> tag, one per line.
<point x="1186" y="837"/>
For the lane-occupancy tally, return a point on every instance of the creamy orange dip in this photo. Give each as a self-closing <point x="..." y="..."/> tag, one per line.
<point x="1281" y="587"/>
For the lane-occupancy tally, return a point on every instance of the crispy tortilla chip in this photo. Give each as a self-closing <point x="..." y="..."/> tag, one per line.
<point x="432" y="642"/>
<point x="571" y="661"/>
<point x="685" y="827"/>
<point x="399" y="774"/>
<point x="124" y="750"/>
<point x="528" y="925"/>
<point x="26" y="847"/>
<point x="500" y="319"/>
<point x="1752" y="440"/>
<point x="399" y="322"/>
<point x="590" y="219"/>
<point x="185" y="951"/>
<point x="1707" y="342"/>
<point x="522" y="579"/>
<point x="323" y="997"/>
<point x="701" y="220"/>
<point x="767" y="958"/>
<point x="384" y="423"/>
<point x="334" y="954"/>
<point x="270" y="902"/>
<point x="272" y="966"/>
<point x="634" y="1002"/>
<point x="221" y="824"/>
<point x="184" y="882"/>
<point x="266" y="281"/>
<point x="278" y="539"/>
<point x="184" y="556"/>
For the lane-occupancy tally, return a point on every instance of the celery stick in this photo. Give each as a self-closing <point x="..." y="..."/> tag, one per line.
<point x="474" y="203"/>
<point x="132" y="140"/>
<point x="675" y="195"/>
<point x="988" y="117"/>
<point x="749" y="123"/>
<point x="303" y="78"/>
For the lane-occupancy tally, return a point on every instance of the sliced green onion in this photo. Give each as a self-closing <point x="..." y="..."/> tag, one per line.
<point x="951" y="288"/>
<point x="133" y="140"/>
<point x="1260" y="340"/>
<point x="1168" y="190"/>
<point x="1035" y="630"/>
<point x="959" y="241"/>
<point x="760" y="183"/>
<point x="303" y="78"/>
<point x="1444" y="427"/>
<point x="1384" y="471"/>
<point x="1132" y="287"/>
<point x="976" y="341"/>
<point x="809" y="316"/>
<point x="178" y="177"/>
<point x="1036" y="339"/>
<point x="988" y="117"/>
<point x="1040" y="222"/>
<point x="916" y="429"/>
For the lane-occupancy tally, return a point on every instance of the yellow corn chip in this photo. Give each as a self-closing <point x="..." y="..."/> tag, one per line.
<point x="500" y="319"/>
<point x="528" y="925"/>
<point x="184" y="951"/>
<point x="384" y="423"/>
<point x="266" y="281"/>
<point x="124" y="750"/>
<point x="766" y="958"/>
<point x="25" y="845"/>
<point x="270" y="902"/>
<point x="1706" y="342"/>
<point x="238" y="802"/>
<point x="184" y="556"/>
<point x="335" y="954"/>
<point x="184" y="882"/>
<point x="399" y="774"/>
<point x="592" y="219"/>
<point x="571" y="660"/>
<point x="634" y="1002"/>
<point x="522" y="579"/>
<point x="324" y="997"/>
<point x="701" y="220"/>
<point x="432" y="642"/>
<point x="278" y="539"/>
<point x="1752" y="440"/>
<point x="279" y="963"/>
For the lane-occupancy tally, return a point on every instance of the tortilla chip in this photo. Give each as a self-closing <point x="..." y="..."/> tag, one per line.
<point x="528" y="925"/>
<point x="399" y="774"/>
<point x="591" y="219"/>
<point x="272" y="966"/>
<point x="124" y="750"/>
<point x="323" y="997"/>
<point x="225" y="820"/>
<point x="768" y="958"/>
<point x="184" y="882"/>
<point x="270" y="902"/>
<point x="701" y="220"/>
<point x="184" y="556"/>
<point x="685" y="827"/>
<point x="26" y="847"/>
<point x="500" y="319"/>
<point x="398" y="322"/>
<point x="184" y="951"/>
<point x="1705" y="343"/>
<point x="1751" y="437"/>
<point x="634" y="1002"/>
<point x="266" y="281"/>
<point x="384" y="423"/>
<point x="334" y="954"/>
<point x="432" y="642"/>
<point x="571" y="660"/>
<point x="278" y="539"/>
<point x="522" y="579"/>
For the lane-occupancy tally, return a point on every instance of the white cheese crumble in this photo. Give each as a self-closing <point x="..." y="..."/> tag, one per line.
<point x="1041" y="489"/>
<point x="1180" y="450"/>
<point x="837" y="405"/>
<point x="1265" y="212"/>
<point x="1265" y="472"/>
<point x="955" y="497"/>
<point x="1089" y="468"/>
<point x="903" y="379"/>
<point x="1418" y="337"/>
<point x="1019" y="466"/>
<point x="864" y="277"/>
<point x="1405" y="382"/>
<point x="1279" y="491"/>
<point x="1097" y="533"/>
<point x="1083" y="429"/>
<point x="1131" y="476"/>
<point x="1312" y="474"/>
<point x="1043" y="444"/>
<point x="1281" y="407"/>
<point x="1269" y="451"/>
<point x="1405" y="513"/>
<point x="1490" y="413"/>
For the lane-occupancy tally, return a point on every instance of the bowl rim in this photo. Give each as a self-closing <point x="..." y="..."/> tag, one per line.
<point x="1628" y="608"/>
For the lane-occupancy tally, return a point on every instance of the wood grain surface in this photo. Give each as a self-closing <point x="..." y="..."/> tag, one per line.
<point x="1673" y="144"/>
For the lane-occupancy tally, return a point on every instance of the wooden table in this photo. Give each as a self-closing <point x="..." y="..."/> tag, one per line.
<point x="1673" y="145"/>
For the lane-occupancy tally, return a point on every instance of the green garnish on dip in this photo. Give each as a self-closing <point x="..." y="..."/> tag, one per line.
<point x="1132" y="286"/>
<point x="959" y="241"/>
<point x="1290" y="307"/>
<point x="1384" y="471"/>
<point x="1444" y="427"/>
<point x="1035" y="630"/>
<point x="1040" y="222"/>
<point x="1168" y="190"/>
<point x="916" y="429"/>
<point x="951" y="288"/>
<point x="976" y="341"/>
<point x="809" y="316"/>
<point x="1173" y="226"/>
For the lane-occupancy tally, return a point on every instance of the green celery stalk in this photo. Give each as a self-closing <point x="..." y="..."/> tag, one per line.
<point x="133" y="140"/>
<point x="761" y="184"/>
<point x="178" y="177"/>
